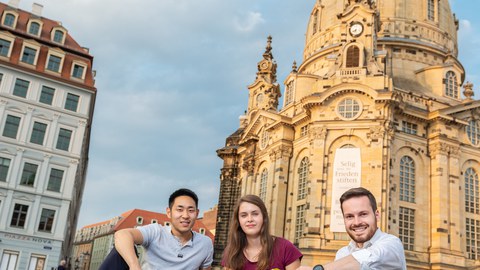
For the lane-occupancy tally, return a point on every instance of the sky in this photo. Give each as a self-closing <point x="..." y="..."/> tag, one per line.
<point x="172" y="79"/>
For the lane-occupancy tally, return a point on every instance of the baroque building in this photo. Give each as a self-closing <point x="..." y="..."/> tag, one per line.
<point x="47" y="97"/>
<point x="376" y="102"/>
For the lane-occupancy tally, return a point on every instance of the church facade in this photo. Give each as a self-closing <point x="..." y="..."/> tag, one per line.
<point x="380" y="101"/>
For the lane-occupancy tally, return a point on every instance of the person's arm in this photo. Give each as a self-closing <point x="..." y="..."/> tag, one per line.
<point x="294" y="265"/>
<point x="124" y="241"/>
<point x="345" y="263"/>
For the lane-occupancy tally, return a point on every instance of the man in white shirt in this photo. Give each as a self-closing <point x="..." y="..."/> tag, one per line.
<point x="370" y="248"/>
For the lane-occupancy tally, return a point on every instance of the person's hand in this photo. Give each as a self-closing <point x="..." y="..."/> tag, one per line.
<point x="305" y="268"/>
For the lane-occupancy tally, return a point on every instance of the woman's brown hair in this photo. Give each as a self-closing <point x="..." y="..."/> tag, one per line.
<point x="237" y="240"/>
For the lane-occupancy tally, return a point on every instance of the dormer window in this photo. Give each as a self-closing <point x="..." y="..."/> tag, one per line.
<point x="58" y="36"/>
<point x="9" y="20"/>
<point x="139" y="220"/>
<point x="5" y="47"/>
<point x="55" y="61"/>
<point x="451" y="84"/>
<point x="29" y="54"/>
<point x="78" y="70"/>
<point x="154" y="221"/>
<point x="34" y="28"/>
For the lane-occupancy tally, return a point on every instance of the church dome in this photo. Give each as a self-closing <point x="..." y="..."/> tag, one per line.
<point x="426" y="23"/>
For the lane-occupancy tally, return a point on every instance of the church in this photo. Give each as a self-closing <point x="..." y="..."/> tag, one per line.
<point x="379" y="101"/>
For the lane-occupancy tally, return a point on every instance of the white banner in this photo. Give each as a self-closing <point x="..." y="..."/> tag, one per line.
<point x="347" y="172"/>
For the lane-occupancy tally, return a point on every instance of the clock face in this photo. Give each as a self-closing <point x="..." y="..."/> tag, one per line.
<point x="356" y="29"/>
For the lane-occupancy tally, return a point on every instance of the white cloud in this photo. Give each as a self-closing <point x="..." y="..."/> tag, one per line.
<point x="248" y="22"/>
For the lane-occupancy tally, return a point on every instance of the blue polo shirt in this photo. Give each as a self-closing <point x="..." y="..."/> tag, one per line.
<point x="165" y="251"/>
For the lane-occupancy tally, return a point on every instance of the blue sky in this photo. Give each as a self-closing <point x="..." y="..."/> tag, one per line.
<point x="172" y="80"/>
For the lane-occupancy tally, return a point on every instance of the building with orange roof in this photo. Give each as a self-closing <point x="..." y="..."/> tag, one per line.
<point x="99" y="237"/>
<point x="47" y="97"/>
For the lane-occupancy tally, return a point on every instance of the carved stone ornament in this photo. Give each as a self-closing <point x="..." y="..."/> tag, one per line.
<point x="445" y="149"/>
<point x="318" y="133"/>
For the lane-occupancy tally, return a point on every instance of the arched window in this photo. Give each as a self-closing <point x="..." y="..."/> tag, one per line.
<point x="315" y="22"/>
<point x="9" y="20"/>
<point x="302" y="179"/>
<point x="473" y="132"/>
<point x="353" y="57"/>
<point x="34" y="28"/>
<point x="264" y="139"/>
<point x="263" y="185"/>
<point x="451" y="85"/>
<point x="472" y="196"/>
<point x="289" y="93"/>
<point x="431" y="9"/>
<point x="407" y="179"/>
<point x="58" y="36"/>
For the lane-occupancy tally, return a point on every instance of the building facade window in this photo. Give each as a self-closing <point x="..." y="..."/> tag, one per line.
<point x="55" y="180"/>
<point x="29" y="174"/>
<point x="473" y="132"/>
<point x="78" y="71"/>
<point x="451" y="85"/>
<point x="264" y="139"/>
<point x="315" y="22"/>
<point x="58" y="36"/>
<point x="37" y="262"/>
<point x="349" y="108"/>
<point x="472" y="194"/>
<point x="431" y="9"/>
<point x="4" y="167"/>
<point x="409" y="128"/>
<point x="34" y="28"/>
<point x="407" y="179"/>
<point x="11" y="126"/>
<point x="9" y="20"/>
<point x="289" y="93"/>
<point x="64" y="136"/>
<point x="353" y="57"/>
<point x="54" y="63"/>
<point x="19" y="216"/>
<point x="406" y="224"/>
<point x="263" y="185"/>
<point x="46" y="95"/>
<point x="299" y="223"/>
<point x="46" y="220"/>
<point x="9" y="260"/>
<point x="29" y="55"/>
<point x="20" y="89"/>
<point x="472" y="237"/>
<point x="302" y="179"/>
<point x="304" y="131"/>
<point x="71" y="103"/>
<point x="38" y="133"/>
<point x="4" y="47"/>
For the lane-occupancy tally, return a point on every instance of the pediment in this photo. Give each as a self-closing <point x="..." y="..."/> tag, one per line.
<point x="263" y="119"/>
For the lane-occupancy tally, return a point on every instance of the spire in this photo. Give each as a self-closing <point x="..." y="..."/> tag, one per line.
<point x="267" y="55"/>
<point x="294" y="67"/>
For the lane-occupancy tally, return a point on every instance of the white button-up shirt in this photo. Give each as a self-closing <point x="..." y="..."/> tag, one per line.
<point x="383" y="252"/>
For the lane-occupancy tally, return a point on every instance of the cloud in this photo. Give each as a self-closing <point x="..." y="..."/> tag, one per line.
<point x="248" y="22"/>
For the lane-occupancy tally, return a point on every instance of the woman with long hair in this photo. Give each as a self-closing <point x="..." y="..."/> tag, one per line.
<point x="250" y="245"/>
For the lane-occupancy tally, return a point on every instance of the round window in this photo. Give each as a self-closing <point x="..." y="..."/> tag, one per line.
<point x="349" y="108"/>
